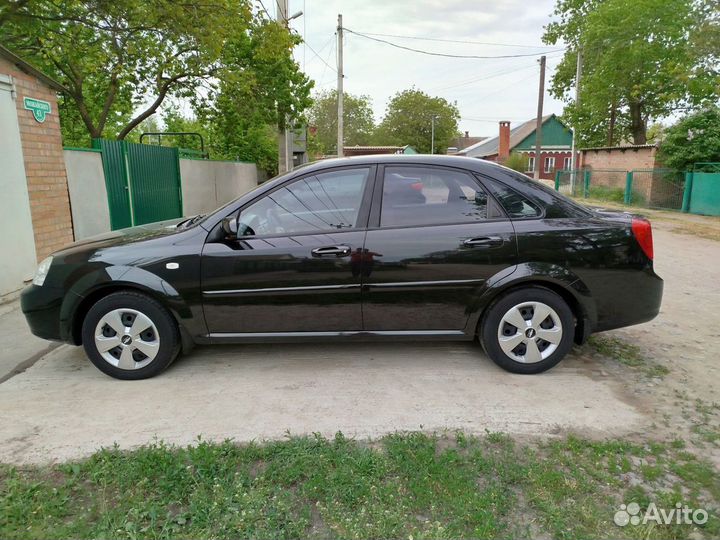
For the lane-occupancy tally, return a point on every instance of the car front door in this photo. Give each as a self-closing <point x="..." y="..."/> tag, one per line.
<point x="294" y="266"/>
<point x="434" y="239"/>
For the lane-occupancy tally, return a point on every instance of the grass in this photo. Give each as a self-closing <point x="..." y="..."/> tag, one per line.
<point x="406" y="485"/>
<point x="626" y="354"/>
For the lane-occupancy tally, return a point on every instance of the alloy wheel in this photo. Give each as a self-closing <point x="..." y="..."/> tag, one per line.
<point x="530" y="332"/>
<point x="127" y="339"/>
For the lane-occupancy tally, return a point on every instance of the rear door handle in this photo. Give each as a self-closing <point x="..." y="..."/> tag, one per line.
<point x="484" y="241"/>
<point x="331" y="251"/>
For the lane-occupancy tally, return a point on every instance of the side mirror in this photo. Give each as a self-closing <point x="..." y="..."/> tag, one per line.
<point x="230" y="226"/>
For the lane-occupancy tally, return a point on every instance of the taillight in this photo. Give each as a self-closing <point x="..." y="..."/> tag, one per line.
<point x="642" y="230"/>
<point x="418" y="186"/>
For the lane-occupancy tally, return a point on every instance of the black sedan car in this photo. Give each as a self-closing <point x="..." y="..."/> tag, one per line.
<point x="377" y="247"/>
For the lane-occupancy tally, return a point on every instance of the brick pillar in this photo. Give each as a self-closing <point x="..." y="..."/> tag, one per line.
<point x="44" y="164"/>
<point x="504" y="140"/>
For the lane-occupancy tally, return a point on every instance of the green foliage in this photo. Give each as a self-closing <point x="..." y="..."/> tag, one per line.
<point x="358" y="121"/>
<point x="260" y="89"/>
<point x="121" y="60"/>
<point x="695" y="138"/>
<point x="408" y="121"/>
<point x="406" y="485"/>
<point x="638" y="61"/>
<point x="517" y="162"/>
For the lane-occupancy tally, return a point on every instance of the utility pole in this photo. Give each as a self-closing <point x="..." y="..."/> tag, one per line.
<point x="340" y="122"/>
<point x="283" y="136"/>
<point x="573" y="157"/>
<point x="538" y="125"/>
<point x="432" y="133"/>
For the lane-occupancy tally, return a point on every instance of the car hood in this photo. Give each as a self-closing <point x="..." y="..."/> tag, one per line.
<point x="124" y="236"/>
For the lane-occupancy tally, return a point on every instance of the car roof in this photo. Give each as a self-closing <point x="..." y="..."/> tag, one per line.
<point x="477" y="165"/>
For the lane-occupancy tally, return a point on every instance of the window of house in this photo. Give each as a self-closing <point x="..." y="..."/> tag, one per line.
<point x="322" y="202"/>
<point x="549" y="164"/>
<point x="567" y="163"/>
<point x="427" y="195"/>
<point x="531" y="164"/>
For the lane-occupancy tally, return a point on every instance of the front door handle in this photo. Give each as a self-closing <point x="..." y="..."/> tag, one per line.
<point x="331" y="251"/>
<point x="484" y="241"/>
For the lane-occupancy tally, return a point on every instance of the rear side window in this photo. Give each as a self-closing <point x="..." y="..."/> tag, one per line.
<point x="554" y="204"/>
<point x="515" y="205"/>
<point x="430" y="196"/>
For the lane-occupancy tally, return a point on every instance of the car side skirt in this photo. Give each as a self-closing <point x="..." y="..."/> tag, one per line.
<point x="360" y="335"/>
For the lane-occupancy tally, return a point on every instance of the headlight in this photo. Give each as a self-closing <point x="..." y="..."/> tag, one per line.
<point x="42" y="271"/>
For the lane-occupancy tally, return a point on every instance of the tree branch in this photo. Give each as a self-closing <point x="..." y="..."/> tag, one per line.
<point x="162" y="93"/>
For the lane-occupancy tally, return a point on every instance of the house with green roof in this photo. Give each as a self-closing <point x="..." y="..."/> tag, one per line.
<point x="555" y="152"/>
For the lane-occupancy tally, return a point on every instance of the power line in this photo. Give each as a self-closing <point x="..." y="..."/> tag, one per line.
<point x="265" y="9"/>
<point x="446" y="55"/>
<point x="317" y="55"/>
<point x="468" y="42"/>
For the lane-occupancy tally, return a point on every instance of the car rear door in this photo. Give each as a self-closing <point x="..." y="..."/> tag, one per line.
<point x="435" y="238"/>
<point x="294" y="267"/>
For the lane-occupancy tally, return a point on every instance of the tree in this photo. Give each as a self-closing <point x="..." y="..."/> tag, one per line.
<point x="358" y="121"/>
<point x="694" y="139"/>
<point x="260" y="89"/>
<point x="408" y="120"/>
<point x="640" y="63"/>
<point x="120" y="60"/>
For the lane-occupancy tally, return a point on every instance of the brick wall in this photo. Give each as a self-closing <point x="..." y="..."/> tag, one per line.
<point x="625" y="159"/>
<point x="44" y="164"/>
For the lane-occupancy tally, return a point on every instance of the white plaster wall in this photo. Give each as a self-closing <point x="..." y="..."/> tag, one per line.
<point x="88" y="194"/>
<point x="206" y="185"/>
<point x="17" y="244"/>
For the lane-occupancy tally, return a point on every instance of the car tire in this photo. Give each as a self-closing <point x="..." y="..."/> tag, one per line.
<point x="528" y="330"/>
<point x="130" y="336"/>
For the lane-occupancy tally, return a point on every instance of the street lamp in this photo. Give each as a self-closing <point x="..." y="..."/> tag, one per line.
<point x="432" y="133"/>
<point x="295" y="16"/>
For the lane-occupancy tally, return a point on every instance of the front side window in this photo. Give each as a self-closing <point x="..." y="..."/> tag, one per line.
<point x="427" y="195"/>
<point x="321" y="202"/>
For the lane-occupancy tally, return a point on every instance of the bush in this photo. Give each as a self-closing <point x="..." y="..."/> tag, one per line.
<point x="517" y="162"/>
<point x="694" y="139"/>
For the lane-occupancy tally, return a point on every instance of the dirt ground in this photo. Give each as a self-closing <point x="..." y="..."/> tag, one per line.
<point x="62" y="407"/>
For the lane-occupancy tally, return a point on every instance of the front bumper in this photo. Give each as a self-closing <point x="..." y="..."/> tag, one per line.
<point x="41" y="306"/>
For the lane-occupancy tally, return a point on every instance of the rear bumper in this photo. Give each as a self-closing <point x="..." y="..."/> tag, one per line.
<point x="41" y="306"/>
<point x="638" y="300"/>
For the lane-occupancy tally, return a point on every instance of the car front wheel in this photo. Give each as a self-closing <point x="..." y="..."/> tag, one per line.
<point x="528" y="330"/>
<point x="130" y="336"/>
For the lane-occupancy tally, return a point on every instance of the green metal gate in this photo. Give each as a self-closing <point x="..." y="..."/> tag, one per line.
<point x="143" y="182"/>
<point x="704" y="196"/>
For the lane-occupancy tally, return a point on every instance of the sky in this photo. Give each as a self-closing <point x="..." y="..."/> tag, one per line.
<point x="484" y="90"/>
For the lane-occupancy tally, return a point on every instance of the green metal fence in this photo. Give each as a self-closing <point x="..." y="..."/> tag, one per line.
<point x="702" y="195"/>
<point x="649" y="188"/>
<point x="142" y="181"/>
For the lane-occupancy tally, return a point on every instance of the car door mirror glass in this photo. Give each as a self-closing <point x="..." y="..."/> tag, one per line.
<point x="230" y="226"/>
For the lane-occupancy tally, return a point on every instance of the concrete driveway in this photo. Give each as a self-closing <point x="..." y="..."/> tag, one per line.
<point x="62" y="407"/>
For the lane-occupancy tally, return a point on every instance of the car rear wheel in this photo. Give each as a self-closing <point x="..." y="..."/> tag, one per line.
<point x="528" y="330"/>
<point x="130" y="336"/>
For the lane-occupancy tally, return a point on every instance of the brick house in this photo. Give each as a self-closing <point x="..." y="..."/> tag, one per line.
<point x="462" y="142"/>
<point x="36" y="217"/>
<point x="556" y="148"/>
